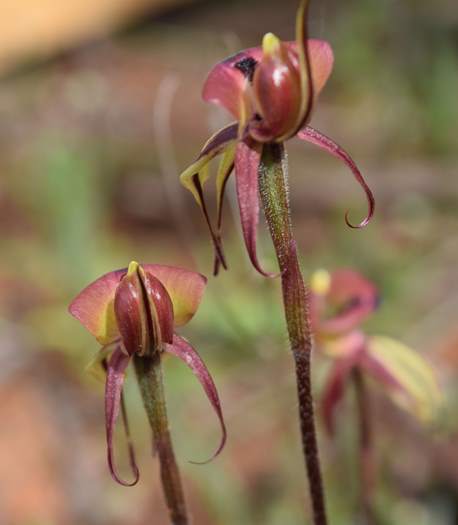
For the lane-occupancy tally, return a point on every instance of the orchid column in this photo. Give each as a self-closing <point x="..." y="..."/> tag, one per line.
<point x="271" y="91"/>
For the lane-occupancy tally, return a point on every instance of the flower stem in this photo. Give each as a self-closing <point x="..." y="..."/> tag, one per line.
<point x="273" y="184"/>
<point x="366" y="456"/>
<point x="149" y="374"/>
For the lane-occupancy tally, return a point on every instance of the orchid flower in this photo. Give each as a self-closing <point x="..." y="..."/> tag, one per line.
<point x="341" y="302"/>
<point x="271" y="91"/>
<point x="133" y="314"/>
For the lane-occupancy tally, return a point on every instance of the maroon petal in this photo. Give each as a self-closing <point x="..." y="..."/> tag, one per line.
<point x="334" y="388"/>
<point x="227" y="81"/>
<point x="183" y="350"/>
<point x="315" y="137"/>
<point x="113" y="400"/>
<point x="247" y="160"/>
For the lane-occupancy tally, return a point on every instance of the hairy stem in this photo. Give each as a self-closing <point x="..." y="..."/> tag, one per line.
<point x="273" y="186"/>
<point x="149" y="374"/>
<point x="366" y="455"/>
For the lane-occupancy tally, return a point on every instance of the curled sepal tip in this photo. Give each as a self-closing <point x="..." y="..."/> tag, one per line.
<point x="310" y="134"/>
<point x="184" y="351"/>
<point x="116" y="368"/>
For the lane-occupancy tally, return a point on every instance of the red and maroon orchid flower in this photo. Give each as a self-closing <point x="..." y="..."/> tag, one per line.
<point x="133" y="313"/>
<point x="340" y="303"/>
<point x="270" y="91"/>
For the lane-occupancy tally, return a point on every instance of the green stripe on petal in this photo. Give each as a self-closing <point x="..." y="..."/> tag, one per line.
<point x="419" y="392"/>
<point x="184" y="287"/>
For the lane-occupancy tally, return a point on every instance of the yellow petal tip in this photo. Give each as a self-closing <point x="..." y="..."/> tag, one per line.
<point x="133" y="268"/>
<point x="270" y="44"/>
<point x="320" y="282"/>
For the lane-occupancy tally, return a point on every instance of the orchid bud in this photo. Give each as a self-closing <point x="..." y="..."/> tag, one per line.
<point x="276" y="91"/>
<point x="144" y="312"/>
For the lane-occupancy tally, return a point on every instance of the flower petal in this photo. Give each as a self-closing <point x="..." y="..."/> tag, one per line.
<point x="413" y="382"/>
<point x="195" y="176"/>
<point x="227" y="81"/>
<point x="93" y="307"/>
<point x="350" y="296"/>
<point x="113" y="400"/>
<point x="184" y="351"/>
<point x="315" y="137"/>
<point x="184" y="287"/>
<point x="247" y="160"/>
<point x="225" y="168"/>
<point x="334" y="388"/>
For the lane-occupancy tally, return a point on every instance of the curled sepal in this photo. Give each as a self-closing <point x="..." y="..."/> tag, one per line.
<point x="315" y="137"/>
<point x="247" y="159"/>
<point x="116" y="368"/>
<point x="410" y="380"/>
<point x="334" y="388"/>
<point x="184" y="351"/>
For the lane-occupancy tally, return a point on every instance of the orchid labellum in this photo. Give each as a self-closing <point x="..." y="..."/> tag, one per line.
<point x="271" y="91"/>
<point x="133" y="313"/>
<point x="341" y="302"/>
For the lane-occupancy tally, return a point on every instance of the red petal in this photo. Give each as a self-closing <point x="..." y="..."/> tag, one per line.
<point x="247" y="160"/>
<point x="226" y="84"/>
<point x="183" y="350"/>
<point x="113" y="392"/>
<point x="315" y="137"/>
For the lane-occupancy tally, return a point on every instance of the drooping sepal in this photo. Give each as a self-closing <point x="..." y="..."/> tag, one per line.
<point x="247" y="159"/>
<point x="116" y="368"/>
<point x="184" y="351"/>
<point x="335" y="387"/>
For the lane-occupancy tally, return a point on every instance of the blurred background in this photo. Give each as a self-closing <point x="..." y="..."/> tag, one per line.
<point x="100" y="110"/>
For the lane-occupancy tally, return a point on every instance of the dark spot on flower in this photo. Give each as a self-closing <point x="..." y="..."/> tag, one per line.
<point x="247" y="66"/>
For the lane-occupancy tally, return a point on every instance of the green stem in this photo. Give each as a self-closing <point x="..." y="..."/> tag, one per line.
<point x="273" y="186"/>
<point x="149" y="375"/>
<point x="366" y="453"/>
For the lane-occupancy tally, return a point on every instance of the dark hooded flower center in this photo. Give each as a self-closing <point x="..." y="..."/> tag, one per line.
<point x="144" y="312"/>
<point x="247" y="67"/>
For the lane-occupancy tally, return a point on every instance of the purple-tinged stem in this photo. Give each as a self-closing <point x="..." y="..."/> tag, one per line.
<point x="149" y="375"/>
<point x="366" y="451"/>
<point x="273" y="185"/>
